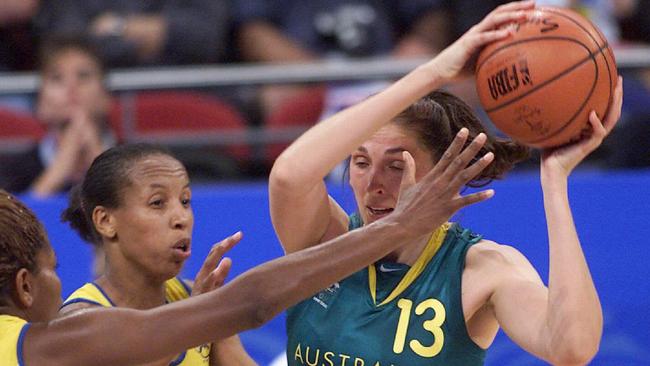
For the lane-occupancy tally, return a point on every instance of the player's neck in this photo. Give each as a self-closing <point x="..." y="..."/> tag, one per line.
<point x="137" y="291"/>
<point x="13" y="311"/>
<point x="409" y="252"/>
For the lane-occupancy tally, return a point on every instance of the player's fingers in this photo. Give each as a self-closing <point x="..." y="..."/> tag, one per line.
<point x="515" y="5"/>
<point x="598" y="129"/>
<point x="450" y="154"/>
<point x="208" y="264"/>
<point x="614" y="113"/>
<point x="231" y="241"/>
<point x="473" y="198"/>
<point x="217" y="251"/>
<point x="511" y="12"/>
<point x="218" y="275"/>
<point x="480" y="39"/>
<point x="408" y="175"/>
<point x="497" y="20"/>
<point x="471" y="172"/>
<point x="464" y="158"/>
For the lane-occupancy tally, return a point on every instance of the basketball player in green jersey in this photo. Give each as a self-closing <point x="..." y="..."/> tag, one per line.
<point x="441" y="298"/>
<point x="30" y="291"/>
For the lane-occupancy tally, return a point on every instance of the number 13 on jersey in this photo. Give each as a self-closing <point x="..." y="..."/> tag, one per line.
<point x="433" y="326"/>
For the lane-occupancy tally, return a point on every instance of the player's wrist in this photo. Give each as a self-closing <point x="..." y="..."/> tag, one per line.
<point x="430" y="73"/>
<point x="392" y="227"/>
<point x="553" y="181"/>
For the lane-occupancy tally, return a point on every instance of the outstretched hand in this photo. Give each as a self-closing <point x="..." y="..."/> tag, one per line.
<point x="214" y="270"/>
<point x="452" y="59"/>
<point x="565" y="158"/>
<point x="436" y="197"/>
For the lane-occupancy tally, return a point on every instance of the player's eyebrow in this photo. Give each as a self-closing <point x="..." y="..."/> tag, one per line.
<point x="392" y="150"/>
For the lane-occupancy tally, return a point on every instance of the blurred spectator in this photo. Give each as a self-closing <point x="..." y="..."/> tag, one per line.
<point x="629" y="147"/>
<point x="633" y="19"/>
<point x="15" y="34"/>
<point x="293" y="30"/>
<point x="285" y="31"/>
<point x="134" y="33"/>
<point x="73" y="104"/>
<point x="467" y="12"/>
<point x="17" y="50"/>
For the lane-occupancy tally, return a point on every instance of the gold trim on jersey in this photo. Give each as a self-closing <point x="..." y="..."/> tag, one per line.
<point x="432" y="247"/>
<point x="175" y="290"/>
<point x="90" y="292"/>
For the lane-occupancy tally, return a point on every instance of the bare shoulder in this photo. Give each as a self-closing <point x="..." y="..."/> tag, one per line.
<point x="74" y="308"/>
<point x="491" y="252"/>
<point x="494" y="258"/>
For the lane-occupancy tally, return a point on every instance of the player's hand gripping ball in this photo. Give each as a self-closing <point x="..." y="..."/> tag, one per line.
<point x="539" y="85"/>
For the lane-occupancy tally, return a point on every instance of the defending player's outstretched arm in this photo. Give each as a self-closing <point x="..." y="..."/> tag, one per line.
<point x="118" y="335"/>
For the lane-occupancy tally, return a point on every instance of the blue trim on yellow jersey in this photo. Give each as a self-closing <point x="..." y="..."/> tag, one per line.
<point x="186" y="286"/>
<point x="178" y="361"/>
<point x="104" y="293"/>
<point x="19" y="348"/>
<point x="75" y="301"/>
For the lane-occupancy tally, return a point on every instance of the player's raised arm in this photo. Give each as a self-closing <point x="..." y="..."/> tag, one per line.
<point x="302" y="213"/>
<point x="562" y="324"/>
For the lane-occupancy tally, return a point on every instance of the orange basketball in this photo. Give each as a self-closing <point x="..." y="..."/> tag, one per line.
<point x="539" y="85"/>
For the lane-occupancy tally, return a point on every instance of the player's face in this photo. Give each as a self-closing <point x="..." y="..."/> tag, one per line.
<point x="376" y="169"/>
<point x="47" y="287"/>
<point x="155" y="219"/>
<point x="71" y="82"/>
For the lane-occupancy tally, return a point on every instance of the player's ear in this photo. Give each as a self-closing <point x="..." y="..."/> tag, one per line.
<point x="24" y="289"/>
<point x="104" y="222"/>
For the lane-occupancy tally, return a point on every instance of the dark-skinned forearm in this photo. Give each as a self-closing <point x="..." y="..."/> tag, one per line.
<point x="259" y="294"/>
<point x="117" y="336"/>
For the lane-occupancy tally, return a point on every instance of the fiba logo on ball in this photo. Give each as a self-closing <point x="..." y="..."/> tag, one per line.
<point x="509" y="79"/>
<point x="539" y="85"/>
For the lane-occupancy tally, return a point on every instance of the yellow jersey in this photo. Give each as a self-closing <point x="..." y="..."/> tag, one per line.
<point x="12" y="334"/>
<point x="176" y="289"/>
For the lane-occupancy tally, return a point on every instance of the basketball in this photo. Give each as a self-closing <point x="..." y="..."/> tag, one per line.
<point x="539" y="85"/>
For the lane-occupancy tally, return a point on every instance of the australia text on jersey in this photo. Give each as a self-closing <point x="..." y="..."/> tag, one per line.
<point x="314" y="357"/>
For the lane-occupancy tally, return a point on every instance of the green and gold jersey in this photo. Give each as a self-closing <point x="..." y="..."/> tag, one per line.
<point x="390" y="314"/>
<point x="175" y="289"/>
<point x="12" y="333"/>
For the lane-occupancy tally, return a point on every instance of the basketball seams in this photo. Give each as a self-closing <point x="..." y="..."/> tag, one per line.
<point x="571" y="120"/>
<point x="602" y="38"/>
<point x="553" y="11"/>
<point x="531" y="39"/>
<point x="605" y="46"/>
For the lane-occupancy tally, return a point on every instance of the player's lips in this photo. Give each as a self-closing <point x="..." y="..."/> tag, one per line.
<point x="378" y="212"/>
<point x="182" y="249"/>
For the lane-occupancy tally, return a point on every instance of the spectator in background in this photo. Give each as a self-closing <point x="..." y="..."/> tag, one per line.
<point x="135" y="33"/>
<point x="15" y="36"/>
<point x="633" y="19"/>
<point x="73" y="105"/>
<point x="17" y="44"/>
<point x="629" y="148"/>
<point x="292" y="31"/>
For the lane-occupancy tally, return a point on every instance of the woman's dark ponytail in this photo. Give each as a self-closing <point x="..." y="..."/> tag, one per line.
<point x="77" y="218"/>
